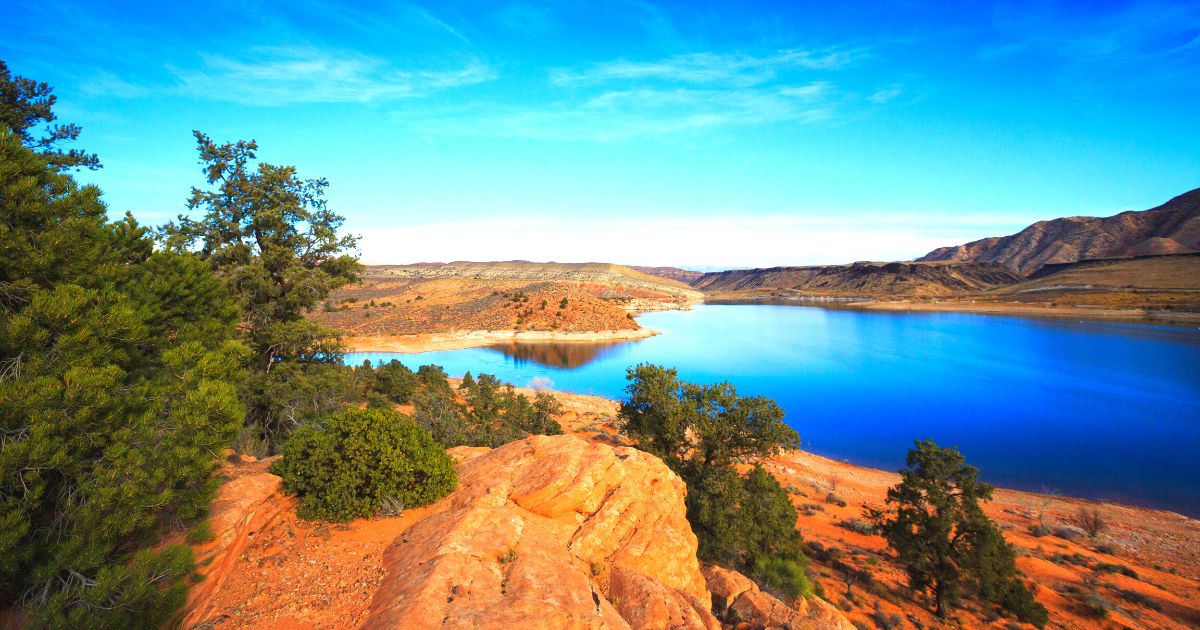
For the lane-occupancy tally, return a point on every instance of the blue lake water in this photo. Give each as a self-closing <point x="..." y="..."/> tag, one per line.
<point x="1094" y="409"/>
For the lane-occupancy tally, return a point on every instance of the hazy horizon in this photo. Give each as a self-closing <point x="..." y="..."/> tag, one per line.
<point x="641" y="133"/>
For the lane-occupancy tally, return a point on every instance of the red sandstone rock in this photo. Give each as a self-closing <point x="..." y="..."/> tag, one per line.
<point x="739" y="602"/>
<point x="549" y="532"/>
<point x="243" y="507"/>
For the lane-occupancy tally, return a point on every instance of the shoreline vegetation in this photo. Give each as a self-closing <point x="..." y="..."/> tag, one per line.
<point x="463" y="339"/>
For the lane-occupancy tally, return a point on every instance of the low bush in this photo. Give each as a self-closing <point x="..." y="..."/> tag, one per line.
<point x="360" y="459"/>
<point x="1107" y="567"/>
<point x="788" y="576"/>
<point x="835" y="500"/>
<point x="886" y="620"/>
<point x="858" y="526"/>
<point x="1095" y="606"/>
<point x="1141" y="599"/>
<point x="1066" y="533"/>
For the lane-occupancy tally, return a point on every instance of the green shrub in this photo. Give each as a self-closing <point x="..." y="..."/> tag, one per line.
<point x="858" y="526"/>
<point x="787" y="576"/>
<point x="359" y="458"/>
<point x="834" y="499"/>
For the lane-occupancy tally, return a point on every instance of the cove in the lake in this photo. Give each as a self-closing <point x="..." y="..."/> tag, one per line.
<point x="1100" y="410"/>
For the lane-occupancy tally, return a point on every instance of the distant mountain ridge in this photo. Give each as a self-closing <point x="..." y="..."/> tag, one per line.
<point x="1172" y="228"/>
<point x="865" y="278"/>
<point x="686" y="276"/>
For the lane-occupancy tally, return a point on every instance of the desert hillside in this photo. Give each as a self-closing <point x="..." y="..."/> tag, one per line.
<point x="1171" y="228"/>
<point x="509" y="296"/>
<point x="863" y="279"/>
<point x="1157" y="288"/>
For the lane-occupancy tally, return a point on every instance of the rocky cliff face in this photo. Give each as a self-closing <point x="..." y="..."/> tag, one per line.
<point x="547" y="532"/>
<point x="1172" y="228"/>
<point x="865" y="278"/>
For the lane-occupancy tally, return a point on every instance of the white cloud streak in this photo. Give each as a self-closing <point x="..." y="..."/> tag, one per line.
<point x="282" y="75"/>
<point x="708" y="67"/>
<point x="641" y="112"/>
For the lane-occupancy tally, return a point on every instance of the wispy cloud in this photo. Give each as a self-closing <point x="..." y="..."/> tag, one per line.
<point x="708" y="67"/>
<point x="641" y="112"/>
<point x="621" y="99"/>
<point x="306" y="74"/>
<point x="886" y="94"/>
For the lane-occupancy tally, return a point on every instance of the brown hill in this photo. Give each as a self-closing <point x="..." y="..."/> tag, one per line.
<point x="1171" y="228"/>
<point x="685" y="276"/>
<point x="499" y="296"/>
<point x="1170" y="283"/>
<point x="864" y="279"/>
<point x="617" y="277"/>
<point x="384" y="306"/>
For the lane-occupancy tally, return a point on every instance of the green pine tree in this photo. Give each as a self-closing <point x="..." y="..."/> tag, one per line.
<point x="947" y="544"/>
<point x="271" y="237"/>
<point x="119" y="375"/>
<point x="27" y="110"/>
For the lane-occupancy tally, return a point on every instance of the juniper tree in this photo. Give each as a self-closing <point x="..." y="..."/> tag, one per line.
<point x="702" y="432"/>
<point x="271" y="237"/>
<point x="947" y="544"/>
<point x="27" y="109"/>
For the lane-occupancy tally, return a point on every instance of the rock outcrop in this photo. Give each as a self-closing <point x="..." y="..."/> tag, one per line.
<point x="740" y="603"/>
<point x="1172" y="228"/>
<point x="549" y="532"/>
<point x="245" y="506"/>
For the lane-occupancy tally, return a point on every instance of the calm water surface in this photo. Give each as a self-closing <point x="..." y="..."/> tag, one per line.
<point x="1094" y="409"/>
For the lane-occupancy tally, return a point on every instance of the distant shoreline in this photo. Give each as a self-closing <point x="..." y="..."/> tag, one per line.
<point x="1136" y="315"/>
<point x="1060" y="312"/>
<point x="462" y="339"/>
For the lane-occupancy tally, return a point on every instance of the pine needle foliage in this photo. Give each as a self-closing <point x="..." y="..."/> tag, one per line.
<point x="702" y="432"/>
<point x="119" y="375"/>
<point x="947" y="544"/>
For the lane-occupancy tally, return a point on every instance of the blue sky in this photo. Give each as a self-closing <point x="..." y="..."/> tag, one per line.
<point x="691" y="133"/>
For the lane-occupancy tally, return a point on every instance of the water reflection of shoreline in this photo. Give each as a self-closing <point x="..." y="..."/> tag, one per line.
<point x="557" y="355"/>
